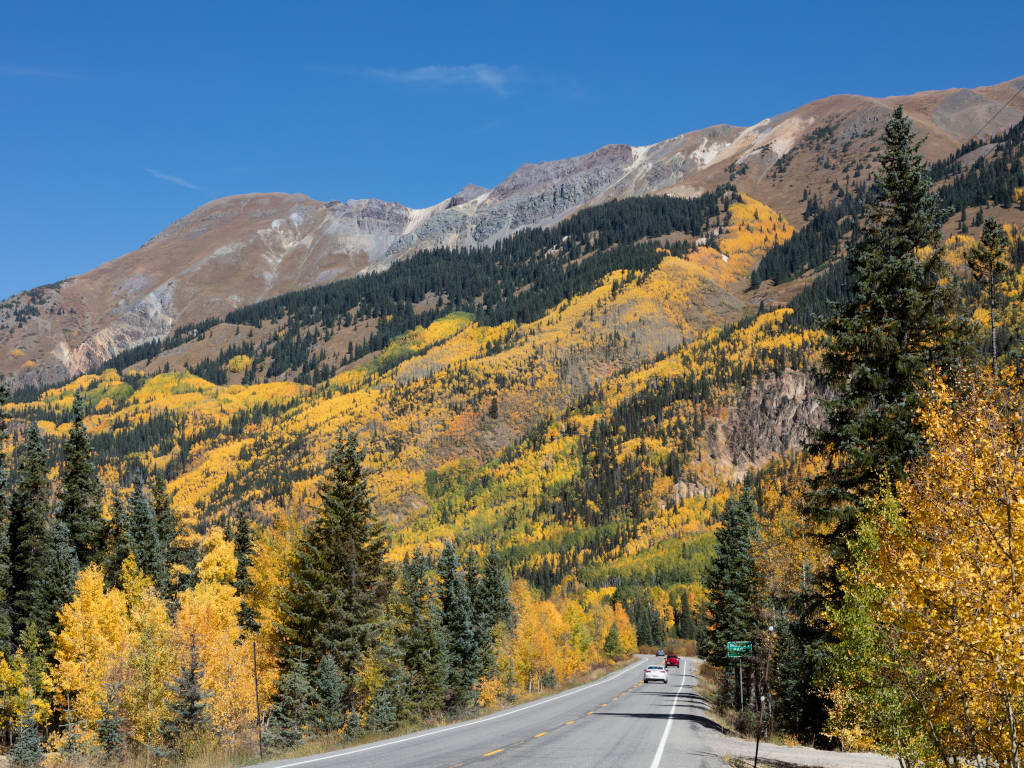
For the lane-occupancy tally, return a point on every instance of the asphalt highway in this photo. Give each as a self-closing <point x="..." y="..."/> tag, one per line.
<point x="616" y="721"/>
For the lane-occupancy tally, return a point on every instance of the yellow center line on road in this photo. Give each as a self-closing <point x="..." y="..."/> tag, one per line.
<point x="604" y="705"/>
<point x="590" y="713"/>
<point x="542" y="733"/>
<point x="569" y="722"/>
<point x="488" y="754"/>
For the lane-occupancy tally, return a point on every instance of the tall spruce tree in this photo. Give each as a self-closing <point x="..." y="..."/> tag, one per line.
<point x="243" y="582"/>
<point x="30" y="536"/>
<point x="119" y="542"/>
<point x="423" y="642"/>
<point x="189" y="717"/>
<point x="292" y="710"/>
<point x="166" y="524"/>
<point x="457" y="617"/>
<point x="990" y="263"/>
<point x="149" y="550"/>
<point x="492" y="603"/>
<point x="330" y="689"/>
<point x="338" y="579"/>
<point x="731" y="585"/>
<point x="62" y="567"/>
<point x="6" y="625"/>
<point x="899" y="324"/>
<point x="80" y="498"/>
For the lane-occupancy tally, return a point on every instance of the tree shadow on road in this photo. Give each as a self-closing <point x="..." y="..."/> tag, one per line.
<point x="701" y="720"/>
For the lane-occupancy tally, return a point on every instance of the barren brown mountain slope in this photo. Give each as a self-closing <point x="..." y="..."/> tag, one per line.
<point x="245" y="248"/>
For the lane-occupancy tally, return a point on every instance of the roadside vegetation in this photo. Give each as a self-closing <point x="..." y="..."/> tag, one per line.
<point x="541" y="473"/>
<point x="876" y="574"/>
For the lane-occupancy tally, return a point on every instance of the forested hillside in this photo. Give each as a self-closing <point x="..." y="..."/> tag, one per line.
<point x="546" y="445"/>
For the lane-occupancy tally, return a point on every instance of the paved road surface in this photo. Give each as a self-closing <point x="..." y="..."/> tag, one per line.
<point x="617" y="721"/>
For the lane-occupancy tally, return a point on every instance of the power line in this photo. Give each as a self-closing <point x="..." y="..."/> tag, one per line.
<point x="998" y="112"/>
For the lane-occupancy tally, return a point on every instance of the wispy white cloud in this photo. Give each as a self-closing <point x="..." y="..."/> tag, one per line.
<point x="172" y="179"/>
<point x="481" y="75"/>
<point x="7" y="71"/>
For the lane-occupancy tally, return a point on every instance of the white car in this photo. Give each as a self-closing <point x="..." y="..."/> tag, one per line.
<point x="656" y="674"/>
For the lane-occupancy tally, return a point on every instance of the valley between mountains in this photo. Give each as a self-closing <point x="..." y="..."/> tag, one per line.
<point x="562" y="394"/>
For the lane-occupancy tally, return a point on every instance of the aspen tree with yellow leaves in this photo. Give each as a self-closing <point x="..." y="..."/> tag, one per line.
<point x="940" y="574"/>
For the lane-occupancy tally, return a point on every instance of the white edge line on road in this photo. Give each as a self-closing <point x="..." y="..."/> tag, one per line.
<point x="664" y="735"/>
<point x="390" y="742"/>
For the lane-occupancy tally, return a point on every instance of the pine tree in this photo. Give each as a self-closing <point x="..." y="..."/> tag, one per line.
<point x="189" y="717"/>
<point x="613" y="642"/>
<point x="899" y="324"/>
<point x="457" y="618"/>
<point x="62" y="567"/>
<point x="338" y="579"/>
<point x="291" y="712"/>
<point x="6" y="593"/>
<point x="80" y="499"/>
<point x="243" y="583"/>
<point x="989" y="263"/>
<point x="731" y="584"/>
<point x="330" y="689"/>
<point x="353" y="725"/>
<point x="383" y="710"/>
<point x="30" y="536"/>
<point x="166" y="524"/>
<point x="491" y="600"/>
<point x="119" y="540"/>
<point x="111" y="727"/>
<point x="28" y="750"/>
<point x="149" y="550"/>
<point x="685" y="626"/>
<point x="423" y="642"/>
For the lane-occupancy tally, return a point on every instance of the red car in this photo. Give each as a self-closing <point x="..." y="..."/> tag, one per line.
<point x="672" y="661"/>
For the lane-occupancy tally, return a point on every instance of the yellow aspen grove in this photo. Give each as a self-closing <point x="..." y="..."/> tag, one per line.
<point x="209" y="617"/>
<point x="151" y="659"/>
<point x="92" y="646"/>
<point x="951" y="570"/>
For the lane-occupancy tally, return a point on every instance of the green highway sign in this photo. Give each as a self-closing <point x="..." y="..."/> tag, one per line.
<point x="735" y="649"/>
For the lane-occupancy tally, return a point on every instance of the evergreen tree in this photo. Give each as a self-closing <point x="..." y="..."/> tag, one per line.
<point x="189" y="717"/>
<point x="898" y="324"/>
<point x="989" y="263"/>
<point x="686" y="627"/>
<point x="338" y="579"/>
<point x="423" y="642"/>
<point x="119" y="540"/>
<point x="613" y="642"/>
<point x="731" y="584"/>
<point x="243" y="583"/>
<point x="30" y="536"/>
<point x="330" y="689"/>
<point x="384" y="705"/>
<point x="166" y="524"/>
<point x="353" y="725"/>
<point x="62" y="567"/>
<point x="149" y="550"/>
<point x="6" y="593"/>
<point x="291" y="712"/>
<point x="491" y="600"/>
<point x="457" y="618"/>
<point x="111" y="727"/>
<point x="80" y="499"/>
<point x="28" y="750"/>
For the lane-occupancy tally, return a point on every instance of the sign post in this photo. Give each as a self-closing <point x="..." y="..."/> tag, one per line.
<point x="737" y="649"/>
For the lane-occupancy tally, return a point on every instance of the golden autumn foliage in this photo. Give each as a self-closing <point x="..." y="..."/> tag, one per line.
<point x="943" y="570"/>
<point x="553" y="639"/>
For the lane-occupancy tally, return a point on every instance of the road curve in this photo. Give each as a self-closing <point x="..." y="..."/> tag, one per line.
<point x="616" y="721"/>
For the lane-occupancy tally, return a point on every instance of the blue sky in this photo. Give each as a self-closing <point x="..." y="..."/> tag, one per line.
<point x="118" y="118"/>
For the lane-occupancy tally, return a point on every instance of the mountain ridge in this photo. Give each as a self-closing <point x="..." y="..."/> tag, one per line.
<point x="240" y="249"/>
